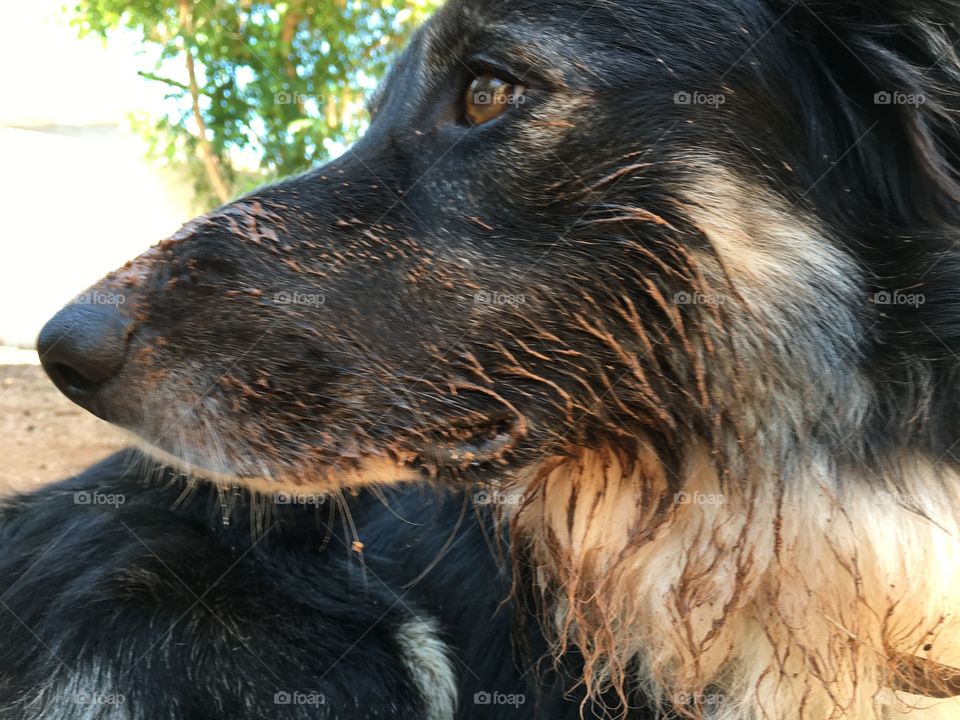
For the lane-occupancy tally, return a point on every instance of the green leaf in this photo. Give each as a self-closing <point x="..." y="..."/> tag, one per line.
<point x="275" y="79"/>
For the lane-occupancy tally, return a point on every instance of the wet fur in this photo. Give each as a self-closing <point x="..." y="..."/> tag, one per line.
<point x="825" y="419"/>
<point x="184" y="603"/>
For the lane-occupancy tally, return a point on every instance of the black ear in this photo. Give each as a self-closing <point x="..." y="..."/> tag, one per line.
<point x="897" y="60"/>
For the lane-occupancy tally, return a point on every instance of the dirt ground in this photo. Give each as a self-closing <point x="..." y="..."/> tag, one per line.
<point x="44" y="436"/>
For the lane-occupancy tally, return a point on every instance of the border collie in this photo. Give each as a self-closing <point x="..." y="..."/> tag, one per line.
<point x="679" y="283"/>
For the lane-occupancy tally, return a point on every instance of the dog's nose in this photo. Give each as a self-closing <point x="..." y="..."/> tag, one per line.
<point x="81" y="348"/>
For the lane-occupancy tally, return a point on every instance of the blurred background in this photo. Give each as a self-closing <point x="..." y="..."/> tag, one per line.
<point x="124" y="119"/>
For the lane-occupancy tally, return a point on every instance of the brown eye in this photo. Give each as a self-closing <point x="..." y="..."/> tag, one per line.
<point x="488" y="97"/>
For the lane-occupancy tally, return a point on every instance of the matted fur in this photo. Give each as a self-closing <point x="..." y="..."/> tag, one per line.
<point x="723" y="370"/>
<point x="788" y="598"/>
<point x="757" y="578"/>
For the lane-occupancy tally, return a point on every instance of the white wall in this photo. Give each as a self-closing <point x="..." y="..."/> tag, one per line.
<point x="74" y="208"/>
<point x="77" y="197"/>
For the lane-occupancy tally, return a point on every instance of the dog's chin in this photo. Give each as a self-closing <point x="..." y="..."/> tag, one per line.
<point x="452" y="458"/>
<point x="192" y="465"/>
<point x="469" y="453"/>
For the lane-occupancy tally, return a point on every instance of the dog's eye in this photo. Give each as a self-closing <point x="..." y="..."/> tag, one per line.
<point x="488" y="97"/>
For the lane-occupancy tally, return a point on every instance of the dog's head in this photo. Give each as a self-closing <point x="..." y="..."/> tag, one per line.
<point x="566" y="225"/>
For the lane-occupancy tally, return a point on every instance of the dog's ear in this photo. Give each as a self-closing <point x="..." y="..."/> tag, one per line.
<point x="897" y="61"/>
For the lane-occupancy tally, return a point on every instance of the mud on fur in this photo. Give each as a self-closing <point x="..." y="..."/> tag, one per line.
<point x="710" y="310"/>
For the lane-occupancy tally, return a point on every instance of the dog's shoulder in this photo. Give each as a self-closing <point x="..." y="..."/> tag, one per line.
<point x="125" y="592"/>
<point x="125" y="598"/>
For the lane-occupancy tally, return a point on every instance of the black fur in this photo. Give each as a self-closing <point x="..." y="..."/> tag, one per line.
<point x="184" y="604"/>
<point x="580" y="205"/>
<point x="427" y="213"/>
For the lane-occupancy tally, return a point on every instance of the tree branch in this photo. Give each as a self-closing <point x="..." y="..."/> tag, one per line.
<point x="165" y="81"/>
<point x="291" y="18"/>
<point x="210" y="161"/>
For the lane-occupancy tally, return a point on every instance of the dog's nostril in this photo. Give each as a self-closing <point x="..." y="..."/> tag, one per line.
<point x="81" y="348"/>
<point x="72" y="377"/>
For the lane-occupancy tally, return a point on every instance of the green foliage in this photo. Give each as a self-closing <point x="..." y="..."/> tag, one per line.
<point x="276" y="82"/>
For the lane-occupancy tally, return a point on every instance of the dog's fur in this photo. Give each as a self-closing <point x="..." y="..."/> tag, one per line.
<point x="132" y="594"/>
<point x="722" y="373"/>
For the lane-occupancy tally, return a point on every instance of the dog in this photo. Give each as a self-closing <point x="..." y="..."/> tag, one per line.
<point x="677" y="282"/>
<point x="132" y="592"/>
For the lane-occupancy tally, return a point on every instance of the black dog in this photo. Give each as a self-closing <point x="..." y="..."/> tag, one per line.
<point x="130" y="594"/>
<point x="678" y="281"/>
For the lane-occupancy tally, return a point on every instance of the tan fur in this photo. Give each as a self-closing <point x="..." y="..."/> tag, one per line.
<point x="785" y="608"/>
<point x="774" y="585"/>
<point x="371" y="470"/>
